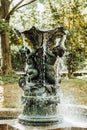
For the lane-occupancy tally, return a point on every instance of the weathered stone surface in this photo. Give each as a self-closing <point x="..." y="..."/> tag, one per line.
<point x="12" y="127"/>
<point x="9" y="113"/>
<point x="40" y="97"/>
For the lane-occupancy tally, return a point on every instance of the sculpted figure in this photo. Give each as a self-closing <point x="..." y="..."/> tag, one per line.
<point x="39" y="68"/>
<point x="30" y="71"/>
<point x="50" y="61"/>
<point x="39" y="83"/>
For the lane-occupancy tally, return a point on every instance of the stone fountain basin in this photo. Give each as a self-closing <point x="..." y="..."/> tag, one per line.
<point x="74" y="118"/>
<point x="10" y="127"/>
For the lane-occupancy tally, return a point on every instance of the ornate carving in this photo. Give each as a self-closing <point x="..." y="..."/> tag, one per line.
<point x="39" y="78"/>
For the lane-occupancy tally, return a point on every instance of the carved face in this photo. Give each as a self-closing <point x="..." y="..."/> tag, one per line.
<point x="58" y="51"/>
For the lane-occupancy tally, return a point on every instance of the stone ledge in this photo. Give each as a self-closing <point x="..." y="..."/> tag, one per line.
<point x="14" y="125"/>
<point x="9" y="113"/>
<point x="10" y="127"/>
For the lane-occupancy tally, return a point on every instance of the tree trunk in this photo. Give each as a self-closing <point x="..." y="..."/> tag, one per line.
<point x="6" y="53"/>
<point x="5" y="46"/>
<point x="70" y="73"/>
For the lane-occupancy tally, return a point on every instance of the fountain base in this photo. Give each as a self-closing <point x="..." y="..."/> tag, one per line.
<point x="39" y="120"/>
<point x="40" y="111"/>
<point x="77" y="120"/>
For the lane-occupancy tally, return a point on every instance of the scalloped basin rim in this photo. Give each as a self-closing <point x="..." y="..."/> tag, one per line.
<point x="11" y="127"/>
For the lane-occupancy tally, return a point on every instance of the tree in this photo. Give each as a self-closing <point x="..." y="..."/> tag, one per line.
<point x="76" y="39"/>
<point x="69" y="15"/>
<point x="5" y="14"/>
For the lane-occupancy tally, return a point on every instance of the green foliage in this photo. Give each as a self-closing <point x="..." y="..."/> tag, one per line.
<point x="72" y="61"/>
<point x="69" y="15"/>
<point x="18" y="61"/>
<point x="3" y="26"/>
<point x="76" y="88"/>
<point x="9" y="78"/>
<point x="41" y="1"/>
<point x="57" y="14"/>
<point x="14" y="38"/>
<point x="76" y="50"/>
<point x="60" y="13"/>
<point x="27" y="17"/>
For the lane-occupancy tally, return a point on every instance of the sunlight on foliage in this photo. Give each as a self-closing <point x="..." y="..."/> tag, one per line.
<point x="15" y="39"/>
<point x="3" y="26"/>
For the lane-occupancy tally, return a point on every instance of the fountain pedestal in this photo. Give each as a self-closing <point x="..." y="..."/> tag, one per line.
<point x="41" y="81"/>
<point x="42" y="111"/>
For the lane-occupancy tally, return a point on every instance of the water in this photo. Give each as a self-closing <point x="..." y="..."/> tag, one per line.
<point x="70" y="121"/>
<point x="64" y="39"/>
<point x="73" y="115"/>
<point x="60" y="62"/>
<point x="44" y="56"/>
<point x="58" y="76"/>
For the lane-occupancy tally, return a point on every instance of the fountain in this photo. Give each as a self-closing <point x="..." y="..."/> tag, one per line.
<point x="42" y="109"/>
<point x="40" y="81"/>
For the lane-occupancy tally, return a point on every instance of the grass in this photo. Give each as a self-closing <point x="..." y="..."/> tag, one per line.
<point x="12" y="96"/>
<point x="12" y="92"/>
<point x="75" y="89"/>
<point x="9" y="78"/>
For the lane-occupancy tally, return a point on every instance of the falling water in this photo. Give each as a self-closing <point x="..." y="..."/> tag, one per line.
<point x="60" y="62"/>
<point x="62" y="41"/>
<point x="57" y="72"/>
<point x="44" y="56"/>
<point x="74" y="115"/>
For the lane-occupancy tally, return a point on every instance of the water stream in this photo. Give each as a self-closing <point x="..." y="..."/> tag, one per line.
<point x="44" y="56"/>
